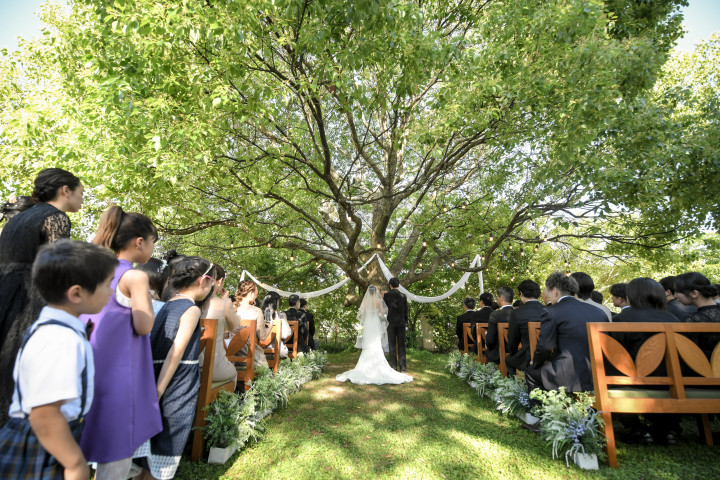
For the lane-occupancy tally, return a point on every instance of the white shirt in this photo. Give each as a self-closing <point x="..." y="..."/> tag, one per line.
<point x="49" y="368"/>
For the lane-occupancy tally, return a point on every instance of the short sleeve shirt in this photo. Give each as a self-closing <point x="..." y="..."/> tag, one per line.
<point x="49" y="368"/>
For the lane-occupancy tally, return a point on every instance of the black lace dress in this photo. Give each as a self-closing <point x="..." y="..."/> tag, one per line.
<point x="20" y="305"/>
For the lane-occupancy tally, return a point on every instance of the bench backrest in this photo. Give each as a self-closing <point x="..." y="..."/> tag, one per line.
<point x="243" y="336"/>
<point x="685" y="388"/>
<point x="480" y="333"/>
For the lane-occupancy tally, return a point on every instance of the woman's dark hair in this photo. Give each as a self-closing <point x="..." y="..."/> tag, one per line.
<point x="154" y="270"/>
<point x="186" y="271"/>
<point x="118" y="228"/>
<point x="219" y="271"/>
<point x="645" y="293"/>
<point x="15" y="205"/>
<point x="270" y="305"/>
<point x="60" y="265"/>
<point x="171" y="259"/>
<point x="50" y="180"/>
<point x="303" y="302"/>
<point x="687" y="282"/>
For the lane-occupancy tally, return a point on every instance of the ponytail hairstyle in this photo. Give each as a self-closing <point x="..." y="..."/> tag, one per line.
<point x="50" y="180"/>
<point x="270" y="305"/>
<point x="187" y="271"/>
<point x="244" y="288"/>
<point x="118" y="228"/>
<point x="171" y="259"/>
<point x="14" y="206"/>
<point x="687" y="282"/>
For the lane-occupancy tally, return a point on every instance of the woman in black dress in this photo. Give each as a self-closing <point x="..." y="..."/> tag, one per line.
<point x="56" y="192"/>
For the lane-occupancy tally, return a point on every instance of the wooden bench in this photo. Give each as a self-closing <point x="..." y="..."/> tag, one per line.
<point x="533" y="334"/>
<point x="208" y="391"/>
<point x="291" y="341"/>
<point x="636" y="391"/>
<point x="480" y="332"/>
<point x="467" y="340"/>
<point x="244" y="363"/>
<point x="271" y="347"/>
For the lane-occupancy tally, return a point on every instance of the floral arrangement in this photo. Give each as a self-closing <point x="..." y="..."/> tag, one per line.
<point x="487" y="376"/>
<point x="569" y="422"/>
<point x="454" y="362"/>
<point x="235" y="420"/>
<point x="511" y="395"/>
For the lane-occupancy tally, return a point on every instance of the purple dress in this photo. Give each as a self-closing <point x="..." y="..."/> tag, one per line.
<point x="125" y="411"/>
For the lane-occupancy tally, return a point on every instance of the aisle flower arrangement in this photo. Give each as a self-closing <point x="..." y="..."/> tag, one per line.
<point x="235" y="420"/>
<point x="568" y="423"/>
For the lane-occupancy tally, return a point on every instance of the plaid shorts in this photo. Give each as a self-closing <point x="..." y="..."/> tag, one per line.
<point x="23" y="457"/>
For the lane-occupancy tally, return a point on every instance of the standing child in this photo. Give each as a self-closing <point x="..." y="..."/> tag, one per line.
<point x="54" y="369"/>
<point x="125" y="413"/>
<point x="175" y="340"/>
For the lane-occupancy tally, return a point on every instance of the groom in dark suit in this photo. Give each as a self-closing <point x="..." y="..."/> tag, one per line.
<point x="397" y="318"/>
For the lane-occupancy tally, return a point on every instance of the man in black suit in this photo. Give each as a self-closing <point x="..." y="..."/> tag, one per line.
<point x="562" y="355"/>
<point x="531" y="311"/>
<point x="673" y="304"/>
<point x="469" y="316"/>
<point x="310" y="318"/>
<point x="502" y="315"/>
<point x="294" y="313"/>
<point x="397" y="318"/>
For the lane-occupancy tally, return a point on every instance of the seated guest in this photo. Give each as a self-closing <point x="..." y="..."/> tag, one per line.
<point x="647" y="303"/>
<point x="294" y="313"/>
<point x="694" y="288"/>
<point x="220" y="308"/>
<point x="674" y="305"/>
<point x="486" y="301"/>
<point x="154" y="270"/>
<point x="617" y="295"/>
<point x="501" y="315"/>
<point x="586" y="287"/>
<point x="310" y="322"/>
<point x="270" y="311"/>
<point x="245" y="308"/>
<point x="596" y="297"/>
<point x="562" y="355"/>
<point x="468" y="316"/>
<point x="531" y="311"/>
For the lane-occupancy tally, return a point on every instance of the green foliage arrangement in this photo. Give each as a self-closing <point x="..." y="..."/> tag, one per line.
<point x="230" y="421"/>
<point x="487" y="377"/>
<point x="511" y="395"/>
<point x="569" y="422"/>
<point x="454" y="361"/>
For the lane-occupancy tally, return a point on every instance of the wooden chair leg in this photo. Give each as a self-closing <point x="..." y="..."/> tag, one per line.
<point x="706" y="429"/>
<point x="609" y="432"/>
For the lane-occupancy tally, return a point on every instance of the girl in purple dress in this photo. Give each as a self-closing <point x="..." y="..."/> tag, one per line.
<point x="125" y="411"/>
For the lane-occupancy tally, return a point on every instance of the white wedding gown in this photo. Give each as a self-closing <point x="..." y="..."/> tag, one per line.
<point x="372" y="368"/>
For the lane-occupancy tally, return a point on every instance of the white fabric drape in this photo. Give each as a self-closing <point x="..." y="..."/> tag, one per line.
<point x="388" y="275"/>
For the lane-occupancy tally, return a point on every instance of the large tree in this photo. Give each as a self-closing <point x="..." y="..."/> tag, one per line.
<point x="425" y="131"/>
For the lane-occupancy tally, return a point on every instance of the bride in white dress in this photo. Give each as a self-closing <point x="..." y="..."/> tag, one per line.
<point x="372" y="367"/>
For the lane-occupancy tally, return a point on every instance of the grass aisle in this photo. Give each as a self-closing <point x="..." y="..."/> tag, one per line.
<point x="432" y="428"/>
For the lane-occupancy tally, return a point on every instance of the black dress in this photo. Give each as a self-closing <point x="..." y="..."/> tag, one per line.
<point x="20" y="305"/>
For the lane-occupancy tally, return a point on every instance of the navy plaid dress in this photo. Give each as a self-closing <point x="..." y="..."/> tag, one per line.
<point x="21" y="454"/>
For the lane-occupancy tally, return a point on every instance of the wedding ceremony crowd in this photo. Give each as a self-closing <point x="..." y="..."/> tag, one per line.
<point x="561" y="358"/>
<point x="100" y="360"/>
<point x="121" y="388"/>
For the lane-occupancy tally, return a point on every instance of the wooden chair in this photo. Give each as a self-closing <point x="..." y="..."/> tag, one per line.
<point x="480" y="332"/>
<point x="291" y="341"/>
<point x="636" y="391"/>
<point x="533" y="333"/>
<point x="467" y="339"/>
<point x="208" y="393"/>
<point x="271" y="347"/>
<point x="244" y="364"/>
<point x="503" y="346"/>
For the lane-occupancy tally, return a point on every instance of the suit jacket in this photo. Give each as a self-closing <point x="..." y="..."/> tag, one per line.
<point x="562" y="355"/>
<point x="681" y="311"/>
<point x="491" y="337"/>
<point x="397" y="308"/>
<point x="532" y="311"/>
<point x="467" y="317"/>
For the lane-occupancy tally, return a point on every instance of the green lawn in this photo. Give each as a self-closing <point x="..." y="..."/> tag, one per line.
<point x="433" y="427"/>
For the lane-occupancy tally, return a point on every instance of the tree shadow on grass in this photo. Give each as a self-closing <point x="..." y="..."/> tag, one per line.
<point x="433" y="427"/>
